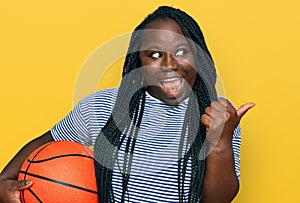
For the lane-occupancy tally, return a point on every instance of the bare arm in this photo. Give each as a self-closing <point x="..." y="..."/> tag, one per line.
<point x="9" y="186"/>
<point x="221" y="183"/>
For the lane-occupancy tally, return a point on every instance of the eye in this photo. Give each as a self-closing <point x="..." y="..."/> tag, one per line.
<point x="180" y="53"/>
<point x="156" y="55"/>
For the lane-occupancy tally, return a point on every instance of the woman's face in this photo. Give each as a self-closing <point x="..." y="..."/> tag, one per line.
<point x="168" y="65"/>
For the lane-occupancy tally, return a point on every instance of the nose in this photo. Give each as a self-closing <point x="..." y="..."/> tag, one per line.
<point x="169" y="62"/>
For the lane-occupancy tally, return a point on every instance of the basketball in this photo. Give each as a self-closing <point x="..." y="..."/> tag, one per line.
<point x="61" y="171"/>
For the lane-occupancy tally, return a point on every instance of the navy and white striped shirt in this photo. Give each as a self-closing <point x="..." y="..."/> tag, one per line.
<point x="153" y="175"/>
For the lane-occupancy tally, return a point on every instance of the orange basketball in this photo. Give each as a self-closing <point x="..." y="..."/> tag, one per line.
<point x="61" y="171"/>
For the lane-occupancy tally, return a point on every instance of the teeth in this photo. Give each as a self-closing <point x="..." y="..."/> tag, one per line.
<point x="171" y="83"/>
<point x="170" y="79"/>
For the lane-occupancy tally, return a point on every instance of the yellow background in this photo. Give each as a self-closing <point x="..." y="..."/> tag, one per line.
<point x="255" y="45"/>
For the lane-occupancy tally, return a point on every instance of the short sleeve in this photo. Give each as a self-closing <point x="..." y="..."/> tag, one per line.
<point x="84" y="123"/>
<point x="236" y="144"/>
<point x="74" y="127"/>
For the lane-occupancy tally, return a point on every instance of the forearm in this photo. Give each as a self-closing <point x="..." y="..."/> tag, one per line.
<point x="221" y="119"/>
<point x="220" y="182"/>
<point x="12" y="168"/>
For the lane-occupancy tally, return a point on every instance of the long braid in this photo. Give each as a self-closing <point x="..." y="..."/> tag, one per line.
<point x="118" y="126"/>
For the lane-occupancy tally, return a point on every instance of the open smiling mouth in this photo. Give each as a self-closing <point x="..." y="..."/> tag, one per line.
<point x="172" y="86"/>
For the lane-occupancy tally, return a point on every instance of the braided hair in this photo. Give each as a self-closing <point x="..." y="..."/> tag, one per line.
<point x="122" y="126"/>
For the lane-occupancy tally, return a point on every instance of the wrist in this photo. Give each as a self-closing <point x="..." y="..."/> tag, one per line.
<point x="7" y="176"/>
<point x="2" y="177"/>
<point x="221" y="147"/>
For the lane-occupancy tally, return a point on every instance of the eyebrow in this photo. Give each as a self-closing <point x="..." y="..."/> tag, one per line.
<point x="151" y="47"/>
<point x="158" y="47"/>
<point x="183" y="44"/>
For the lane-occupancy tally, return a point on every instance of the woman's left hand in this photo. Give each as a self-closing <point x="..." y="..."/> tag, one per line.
<point x="220" y="119"/>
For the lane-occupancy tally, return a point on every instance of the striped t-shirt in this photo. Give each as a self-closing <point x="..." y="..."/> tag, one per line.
<point x="153" y="175"/>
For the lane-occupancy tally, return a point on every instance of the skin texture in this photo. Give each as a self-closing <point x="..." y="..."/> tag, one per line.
<point x="221" y="118"/>
<point x="168" y="60"/>
<point x="9" y="187"/>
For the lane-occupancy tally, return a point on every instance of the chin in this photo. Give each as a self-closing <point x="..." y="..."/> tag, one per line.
<point x="173" y="100"/>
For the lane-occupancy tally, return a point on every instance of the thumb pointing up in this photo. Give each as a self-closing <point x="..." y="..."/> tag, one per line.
<point x="244" y="108"/>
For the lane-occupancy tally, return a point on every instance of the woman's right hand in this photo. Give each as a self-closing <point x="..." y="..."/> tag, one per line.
<point x="10" y="190"/>
<point x="9" y="186"/>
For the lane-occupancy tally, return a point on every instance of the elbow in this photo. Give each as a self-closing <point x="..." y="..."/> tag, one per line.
<point x="234" y="192"/>
<point x="224" y="194"/>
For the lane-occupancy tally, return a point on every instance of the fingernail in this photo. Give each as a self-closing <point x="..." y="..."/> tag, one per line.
<point x="28" y="182"/>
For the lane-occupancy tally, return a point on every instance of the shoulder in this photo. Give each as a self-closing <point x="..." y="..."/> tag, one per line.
<point x="105" y="95"/>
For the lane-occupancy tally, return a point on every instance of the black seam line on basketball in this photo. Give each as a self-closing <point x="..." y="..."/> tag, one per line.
<point x="60" y="156"/>
<point x="46" y="145"/>
<point x="60" y="182"/>
<point x="37" y="198"/>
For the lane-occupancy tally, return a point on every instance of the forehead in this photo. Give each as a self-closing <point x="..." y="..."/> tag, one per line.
<point x="163" y="32"/>
<point x="165" y="24"/>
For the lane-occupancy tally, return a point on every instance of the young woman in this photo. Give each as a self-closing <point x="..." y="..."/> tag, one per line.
<point x="163" y="135"/>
